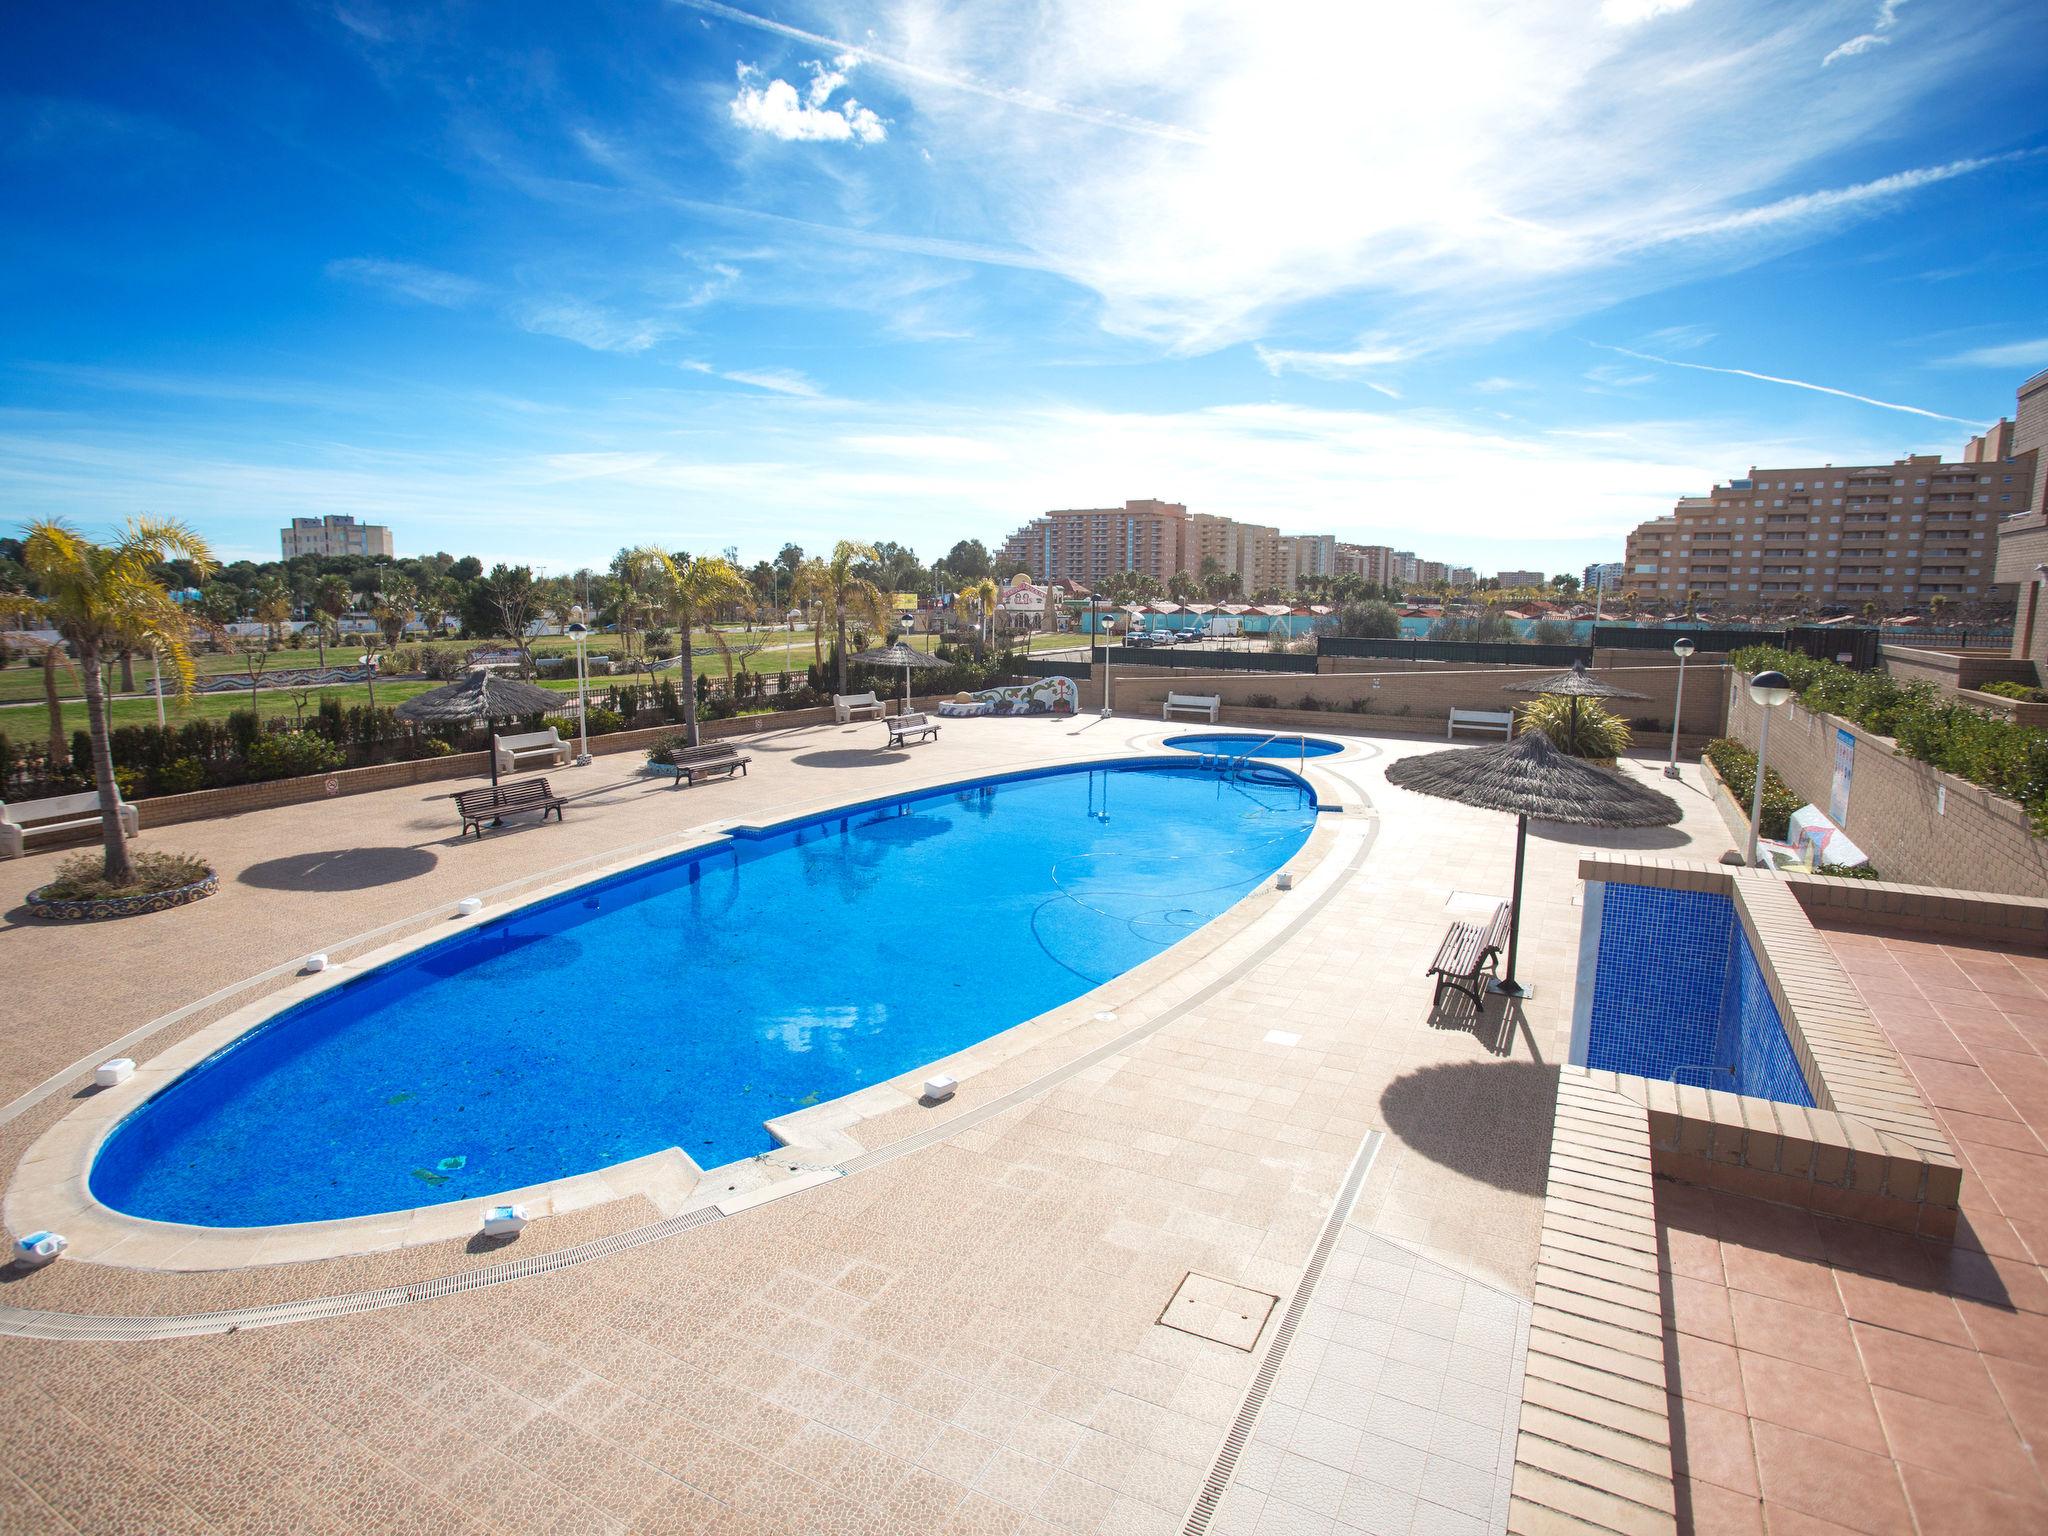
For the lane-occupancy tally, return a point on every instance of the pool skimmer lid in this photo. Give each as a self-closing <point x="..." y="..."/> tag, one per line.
<point x="1215" y="1309"/>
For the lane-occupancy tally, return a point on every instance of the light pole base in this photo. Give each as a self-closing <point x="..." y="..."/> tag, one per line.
<point x="582" y="759"/>
<point x="1514" y="990"/>
<point x="1671" y="770"/>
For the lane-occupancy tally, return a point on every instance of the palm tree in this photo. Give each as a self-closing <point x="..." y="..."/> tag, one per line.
<point x="49" y="655"/>
<point x="696" y="586"/>
<point x="982" y="596"/>
<point x="103" y="596"/>
<point x="838" y="591"/>
<point x="394" y="608"/>
<point x="331" y="599"/>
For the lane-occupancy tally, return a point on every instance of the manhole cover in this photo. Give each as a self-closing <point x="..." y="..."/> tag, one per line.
<point x="1215" y="1309"/>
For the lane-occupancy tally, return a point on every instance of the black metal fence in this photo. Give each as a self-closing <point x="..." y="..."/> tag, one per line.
<point x="1708" y="642"/>
<point x="1500" y="653"/>
<point x="1199" y="658"/>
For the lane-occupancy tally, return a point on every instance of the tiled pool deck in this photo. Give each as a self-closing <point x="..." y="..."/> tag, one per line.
<point x="965" y="1338"/>
<point x="1828" y="1376"/>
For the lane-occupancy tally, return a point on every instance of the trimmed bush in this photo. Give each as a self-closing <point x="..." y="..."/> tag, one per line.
<point x="1590" y="732"/>
<point x="1737" y="766"/>
<point x="81" y="877"/>
<point x="2019" y="691"/>
<point x="291" y="754"/>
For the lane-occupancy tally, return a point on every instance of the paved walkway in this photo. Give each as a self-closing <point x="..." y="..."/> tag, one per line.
<point x="966" y="1338"/>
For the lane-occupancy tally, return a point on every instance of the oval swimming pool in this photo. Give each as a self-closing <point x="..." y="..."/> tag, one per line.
<point x="684" y="1002"/>
<point x="1247" y="743"/>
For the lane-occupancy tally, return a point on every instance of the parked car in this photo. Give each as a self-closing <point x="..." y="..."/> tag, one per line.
<point x="1187" y="637"/>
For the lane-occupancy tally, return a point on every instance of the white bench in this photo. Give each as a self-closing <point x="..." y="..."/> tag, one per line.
<point x="59" y="814"/>
<point x="1206" y="704"/>
<point x="545" y="747"/>
<point x="1502" y="720"/>
<point x="846" y="705"/>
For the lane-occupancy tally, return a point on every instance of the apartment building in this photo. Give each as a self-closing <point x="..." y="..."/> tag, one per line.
<point x="2023" y="538"/>
<point x="334" y="535"/>
<point x="1369" y="562"/>
<point x="1522" y="578"/>
<point x="1248" y="551"/>
<point x="1895" y="534"/>
<point x="1306" y="556"/>
<point x="1091" y="544"/>
<point x="1604" y="575"/>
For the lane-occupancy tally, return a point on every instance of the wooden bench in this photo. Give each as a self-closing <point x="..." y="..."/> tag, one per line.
<point x="516" y="752"/>
<point x="1469" y="951"/>
<point x="923" y="727"/>
<point x="693" y="763"/>
<point x="846" y="705"/>
<point x="54" y="817"/>
<point x="480" y="805"/>
<point x="1206" y="704"/>
<point x="1502" y="720"/>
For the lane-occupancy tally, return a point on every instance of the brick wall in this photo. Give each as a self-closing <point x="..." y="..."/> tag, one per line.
<point x="1951" y="670"/>
<point x="1425" y="697"/>
<point x="1920" y="826"/>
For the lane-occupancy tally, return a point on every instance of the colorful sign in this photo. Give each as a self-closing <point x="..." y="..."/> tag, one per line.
<point x="1845" y="773"/>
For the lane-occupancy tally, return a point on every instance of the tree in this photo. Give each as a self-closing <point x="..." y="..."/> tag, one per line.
<point x="839" y="591"/>
<point x="49" y="655"/>
<point x="1369" y="621"/>
<point x="980" y="597"/>
<point x="697" y="586"/>
<point x="331" y="599"/>
<point x="273" y="606"/>
<point x="969" y="560"/>
<point x="394" y="607"/>
<point x="102" y="596"/>
<point x="1568" y="584"/>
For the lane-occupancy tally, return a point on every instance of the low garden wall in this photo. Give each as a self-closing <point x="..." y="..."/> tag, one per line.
<point x="1419" y="702"/>
<point x="1919" y="825"/>
<point x="200" y="805"/>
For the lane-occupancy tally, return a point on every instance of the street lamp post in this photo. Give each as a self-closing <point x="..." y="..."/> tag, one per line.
<point x="1682" y="649"/>
<point x="1770" y="690"/>
<point x="156" y="672"/>
<point x="579" y="630"/>
<point x="370" y="661"/>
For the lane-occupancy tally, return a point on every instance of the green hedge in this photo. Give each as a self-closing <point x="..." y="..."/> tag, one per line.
<point x="2019" y="691"/>
<point x="2006" y="758"/>
<point x="1737" y="766"/>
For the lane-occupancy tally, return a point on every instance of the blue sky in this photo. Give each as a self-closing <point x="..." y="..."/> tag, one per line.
<point x="533" y="281"/>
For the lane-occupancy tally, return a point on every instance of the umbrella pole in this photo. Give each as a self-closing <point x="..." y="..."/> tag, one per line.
<point x="1507" y="986"/>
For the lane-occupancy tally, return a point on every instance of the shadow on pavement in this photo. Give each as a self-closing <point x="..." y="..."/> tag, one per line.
<point x="340" y="869"/>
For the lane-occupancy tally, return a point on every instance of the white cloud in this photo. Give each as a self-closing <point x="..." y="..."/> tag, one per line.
<point x="408" y="280"/>
<point x="590" y="325"/>
<point x="1628" y="13"/>
<point x="1498" y="385"/>
<point x="1771" y="378"/>
<point x="780" y="381"/>
<point x="776" y="109"/>
<point x="1887" y="17"/>
<point x="1573" y="159"/>
<point x="2030" y="355"/>
<point x="1329" y="365"/>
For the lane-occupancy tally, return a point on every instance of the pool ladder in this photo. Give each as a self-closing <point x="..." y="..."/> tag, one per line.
<point x="1232" y="764"/>
<point x="1708" y="1067"/>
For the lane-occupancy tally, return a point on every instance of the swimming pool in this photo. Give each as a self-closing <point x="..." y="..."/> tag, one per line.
<point x="1244" y="743"/>
<point x="1678" y="995"/>
<point x="684" y="1002"/>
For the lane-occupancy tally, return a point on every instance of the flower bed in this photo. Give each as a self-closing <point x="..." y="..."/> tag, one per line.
<point x="162" y="881"/>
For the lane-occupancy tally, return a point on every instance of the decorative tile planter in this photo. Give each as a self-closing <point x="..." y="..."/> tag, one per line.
<point x="52" y="909"/>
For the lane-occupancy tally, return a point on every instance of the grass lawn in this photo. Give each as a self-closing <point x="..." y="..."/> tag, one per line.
<point x="23" y="685"/>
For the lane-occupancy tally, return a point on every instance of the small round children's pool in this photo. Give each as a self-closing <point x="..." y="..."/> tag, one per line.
<point x="1244" y="743"/>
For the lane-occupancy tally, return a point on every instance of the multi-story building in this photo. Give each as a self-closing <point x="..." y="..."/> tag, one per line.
<point x="1522" y="579"/>
<point x="1091" y="544"/>
<point x="1248" y="551"/>
<point x="1604" y="575"/>
<point x="1306" y="555"/>
<point x="1373" y="563"/>
<point x="2023" y="537"/>
<point x="1893" y="534"/>
<point x="1461" y="576"/>
<point x="334" y="535"/>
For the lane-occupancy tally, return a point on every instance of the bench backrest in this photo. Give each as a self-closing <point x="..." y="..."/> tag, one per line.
<point x="855" y="698"/>
<point x="907" y="722"/>
<point x="547" y="738"/>
<point x="24" y="813"/>
<point x="1201" y="700"/>
<point x="505" y="797"/>
<point x="1490" y="716"/>
<point x="705" y="753"/>
<point x="1497" y="930"/>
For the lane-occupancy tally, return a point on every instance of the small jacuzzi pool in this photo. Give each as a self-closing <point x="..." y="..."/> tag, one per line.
<point x="1245" y="744"/>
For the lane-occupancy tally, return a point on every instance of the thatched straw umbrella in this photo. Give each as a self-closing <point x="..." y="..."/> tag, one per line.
<point x="1575" y="685"/>
<point x="898" y="655"/>
<point x="1530" y="777"/>
<point x="482" y="695"/>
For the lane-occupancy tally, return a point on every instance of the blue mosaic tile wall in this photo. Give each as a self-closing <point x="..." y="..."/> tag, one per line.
<point x="1677" y="995"/>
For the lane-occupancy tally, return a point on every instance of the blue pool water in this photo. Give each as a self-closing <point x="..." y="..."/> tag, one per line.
<point x="1236" y="743"/>
<point x="1678" y="995"/>
<point x="685" y="1002"/>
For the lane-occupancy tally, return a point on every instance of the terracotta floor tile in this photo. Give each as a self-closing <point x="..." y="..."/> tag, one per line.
<point x="2000" y="1331"/>
<point x="1805" y="1282"/>
<point x="1970" y="1446"/>
<point x="1830" y="1481"/>
<point x="1710" y="1510"/>
<point x="1701" y="1309"/>
<point x="1924" y="1368"/>
<point x="1949" y="1506"/>
<point x="1704" y="1371"/>
<point x="1712" y="1445"/>
<point x="1922" y="1312"/>
<point x="1864" y="1249"/>
<point x="1955" y="1085"/>
<point x="1802" y="1334"/>
<point x="1771" y="1228"/>
<point x="1813" y="1402"/>
<point x="2024" y="1391"/>
<point x="1692" y="1254"/>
